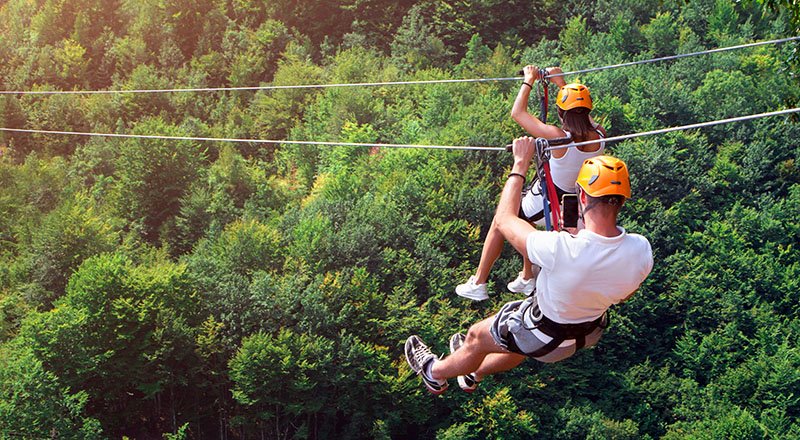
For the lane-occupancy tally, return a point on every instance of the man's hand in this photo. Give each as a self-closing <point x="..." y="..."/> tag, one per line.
<point x="523" y="148"/>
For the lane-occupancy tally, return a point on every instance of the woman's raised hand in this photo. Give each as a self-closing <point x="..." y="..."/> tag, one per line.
<point x="557" y="80"/>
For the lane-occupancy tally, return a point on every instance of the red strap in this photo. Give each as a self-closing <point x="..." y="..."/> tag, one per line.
<point x="552" y="195"/>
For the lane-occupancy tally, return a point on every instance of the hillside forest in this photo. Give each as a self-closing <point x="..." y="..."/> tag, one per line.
<point x="163" y="289"/>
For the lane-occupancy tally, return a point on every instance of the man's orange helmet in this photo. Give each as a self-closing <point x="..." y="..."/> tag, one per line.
<point x="604" y="176"/>
<point x="572" y="96"/>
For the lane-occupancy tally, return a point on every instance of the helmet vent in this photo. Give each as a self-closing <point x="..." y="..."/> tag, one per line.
<point x="594" y="179"/>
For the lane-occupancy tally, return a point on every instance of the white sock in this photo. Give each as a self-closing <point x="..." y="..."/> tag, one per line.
<point x="429" y="371"/>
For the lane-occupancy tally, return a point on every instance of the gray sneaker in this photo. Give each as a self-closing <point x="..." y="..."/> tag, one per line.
<point x="466" y="382"/>
<point x="418" y="356"/>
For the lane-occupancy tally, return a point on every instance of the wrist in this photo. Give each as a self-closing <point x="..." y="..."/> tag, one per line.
<point x="520" y="167"/>
<point x="519" y="175"/>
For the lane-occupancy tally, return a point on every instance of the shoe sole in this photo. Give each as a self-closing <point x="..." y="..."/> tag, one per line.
<point x="432" y="391"/>
<point x="474" y="298"/>
<point x="463" y="384"/>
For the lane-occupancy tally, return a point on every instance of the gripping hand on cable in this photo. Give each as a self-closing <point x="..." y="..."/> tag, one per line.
<point x="532" y="73"/>
<point x="557" y="80"/>
<point x="523" y="148"/>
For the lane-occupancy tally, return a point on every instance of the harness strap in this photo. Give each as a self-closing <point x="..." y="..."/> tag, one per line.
<point x="549" y="347"/>
<point x="550" y="204"/>
<point x="544" y="101"/>
<point x="542" y="172"/>
<point x="555" y="207"/>
<point x="562" y="332"/>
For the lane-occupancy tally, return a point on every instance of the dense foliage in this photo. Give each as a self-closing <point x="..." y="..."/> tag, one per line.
<point x="200" y="290"/>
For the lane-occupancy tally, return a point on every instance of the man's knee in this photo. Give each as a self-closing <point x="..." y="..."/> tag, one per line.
<point x="478" y="334"/>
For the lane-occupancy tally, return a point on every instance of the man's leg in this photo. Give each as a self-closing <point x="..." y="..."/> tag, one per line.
<point x="468" y="358"/>
<point x="496" y="363"/>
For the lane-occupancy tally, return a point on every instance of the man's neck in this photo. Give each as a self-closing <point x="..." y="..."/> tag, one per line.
<point x="601" y="225"/>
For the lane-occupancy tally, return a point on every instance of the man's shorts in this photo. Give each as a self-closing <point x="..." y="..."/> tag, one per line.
<point x="515" y="323"/>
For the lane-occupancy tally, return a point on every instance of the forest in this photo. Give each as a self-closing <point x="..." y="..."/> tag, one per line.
<point x="162" y="289"/>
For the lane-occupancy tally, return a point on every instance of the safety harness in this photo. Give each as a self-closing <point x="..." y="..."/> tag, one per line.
<point x="534" y="319"/>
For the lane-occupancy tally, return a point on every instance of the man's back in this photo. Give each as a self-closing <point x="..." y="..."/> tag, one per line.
<point x="584" y="274"/>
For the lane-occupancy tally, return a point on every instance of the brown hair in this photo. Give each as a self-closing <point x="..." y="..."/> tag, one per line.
<point x="576" y="121"/>
<point x="611" y="202"/>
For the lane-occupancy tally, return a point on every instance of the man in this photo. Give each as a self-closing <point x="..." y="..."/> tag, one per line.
<point x="582" y="275"/>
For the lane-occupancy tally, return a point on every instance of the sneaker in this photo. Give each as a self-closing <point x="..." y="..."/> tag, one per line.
<point x="475" y="292"/>
<point x="466" y="382"/>
<point x="521" y="285"/>
<point x="418" y="356"/>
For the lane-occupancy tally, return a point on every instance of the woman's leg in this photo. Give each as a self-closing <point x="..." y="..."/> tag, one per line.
<point x="492" y="247"/>
<point x="529" y="270"/>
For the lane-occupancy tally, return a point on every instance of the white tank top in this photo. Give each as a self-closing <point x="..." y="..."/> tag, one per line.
<point x="564" y="170"/>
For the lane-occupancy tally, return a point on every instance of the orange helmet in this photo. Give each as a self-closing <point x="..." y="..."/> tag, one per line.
<point x="572" y="96"/>
<point x="604" y="176"/>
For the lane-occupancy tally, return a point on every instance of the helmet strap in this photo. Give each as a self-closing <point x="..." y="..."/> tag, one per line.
<point x="583" y="209"/>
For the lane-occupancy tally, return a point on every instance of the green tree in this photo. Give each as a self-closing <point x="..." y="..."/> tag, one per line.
<point x="277" y="379"/>
<point x="660" y="34"/>
<point x="153" y="175"/>
<point x="34" y="404"/>
<point x="416" y="45"/>
<point x="497" y="417"/>
<point x="124" y="335"/>
<point x="74" y="231"/>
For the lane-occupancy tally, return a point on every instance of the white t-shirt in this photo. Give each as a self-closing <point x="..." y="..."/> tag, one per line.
<point x="582" y="275"/>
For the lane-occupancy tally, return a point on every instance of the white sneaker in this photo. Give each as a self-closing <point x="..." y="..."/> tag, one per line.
<point x="475" y="292"/>
<point x="467" y="382"/>
<point x="521" y="285"/>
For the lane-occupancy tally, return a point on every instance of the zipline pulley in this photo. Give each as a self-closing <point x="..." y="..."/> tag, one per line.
<point x="543" y="92"/>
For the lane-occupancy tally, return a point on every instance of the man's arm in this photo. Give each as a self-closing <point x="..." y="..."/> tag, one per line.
<point x="514" y="229"/>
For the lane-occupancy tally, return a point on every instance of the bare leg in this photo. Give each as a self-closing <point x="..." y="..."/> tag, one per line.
<point x="528" y="269"/>
<point x="492" y="247"/>
<point x="470" y="356"/>
<point x="498" y="362"/>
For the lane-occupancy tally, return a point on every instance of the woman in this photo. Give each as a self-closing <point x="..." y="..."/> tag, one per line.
<point x="574" y="105"/>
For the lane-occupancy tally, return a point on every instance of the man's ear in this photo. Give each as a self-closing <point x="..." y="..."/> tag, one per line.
<point x="582" y="195"/>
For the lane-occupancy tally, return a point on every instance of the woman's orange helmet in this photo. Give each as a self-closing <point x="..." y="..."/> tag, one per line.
<point x="572" y="96"/>
<point x="604" y="176"/>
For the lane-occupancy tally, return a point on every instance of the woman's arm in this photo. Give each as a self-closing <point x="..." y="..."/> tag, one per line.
<point x="557" y="80"/>
<point x="519" y="112"/>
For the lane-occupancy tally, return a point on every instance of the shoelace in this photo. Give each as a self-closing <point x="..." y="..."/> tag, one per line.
<point x="421" y="353"/>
